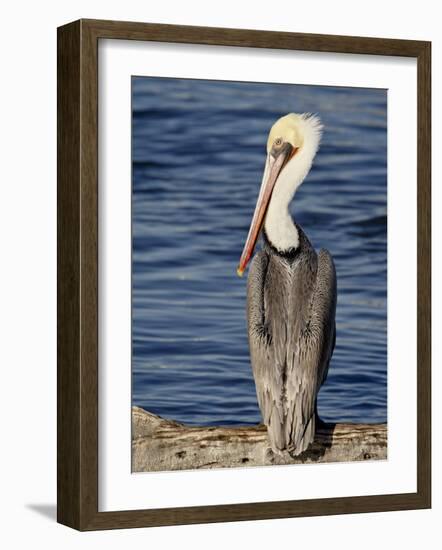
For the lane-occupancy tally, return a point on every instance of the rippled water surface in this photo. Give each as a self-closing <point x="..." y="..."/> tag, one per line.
<point x="198" y="156"/>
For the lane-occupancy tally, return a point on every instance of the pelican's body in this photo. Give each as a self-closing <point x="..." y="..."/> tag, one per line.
<point x="291" y="294"/>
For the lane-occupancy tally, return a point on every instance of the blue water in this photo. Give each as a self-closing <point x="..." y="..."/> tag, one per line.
<point x="198" y="156"/>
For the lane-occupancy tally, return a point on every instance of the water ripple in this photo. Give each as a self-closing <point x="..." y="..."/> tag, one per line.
<point x="198" y="155"/>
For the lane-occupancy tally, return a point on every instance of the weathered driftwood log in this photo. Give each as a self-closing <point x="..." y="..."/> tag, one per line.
<point x="159" y="444"/>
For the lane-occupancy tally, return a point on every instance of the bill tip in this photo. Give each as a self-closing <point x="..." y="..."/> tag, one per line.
<point x="240" y="272"/>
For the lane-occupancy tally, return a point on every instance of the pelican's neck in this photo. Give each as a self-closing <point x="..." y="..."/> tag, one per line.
<point x="279" y="225"/>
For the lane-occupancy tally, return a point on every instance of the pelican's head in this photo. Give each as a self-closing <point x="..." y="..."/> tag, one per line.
<point x="286" y="132"/>
<point x="291" y="146"/>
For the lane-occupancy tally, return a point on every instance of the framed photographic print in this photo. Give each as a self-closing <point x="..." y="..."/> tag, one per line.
<point x="188" y="156"/>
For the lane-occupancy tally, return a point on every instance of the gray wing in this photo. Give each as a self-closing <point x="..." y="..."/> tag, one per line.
<point x="291" y="326"/>
<point x="323" y="327"/>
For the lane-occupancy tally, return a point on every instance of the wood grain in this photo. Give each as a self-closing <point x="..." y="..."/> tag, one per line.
<point x="68" y="277"/>
<point x="162" y="445"/>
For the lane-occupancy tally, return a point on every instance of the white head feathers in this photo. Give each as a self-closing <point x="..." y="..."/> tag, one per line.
<point x="303" y="132"/>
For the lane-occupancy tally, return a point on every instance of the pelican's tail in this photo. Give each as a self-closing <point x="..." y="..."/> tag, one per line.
<point x="304" y="440"/>
<point x="295" y="443"/>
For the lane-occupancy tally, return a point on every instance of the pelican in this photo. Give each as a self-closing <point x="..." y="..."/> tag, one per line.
<point x="291" y="293"/>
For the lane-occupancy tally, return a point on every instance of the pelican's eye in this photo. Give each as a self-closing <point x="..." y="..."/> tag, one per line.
<point x="277" y="142"/>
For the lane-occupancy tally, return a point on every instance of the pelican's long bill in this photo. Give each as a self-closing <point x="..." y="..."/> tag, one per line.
<point x="273" y="167"/>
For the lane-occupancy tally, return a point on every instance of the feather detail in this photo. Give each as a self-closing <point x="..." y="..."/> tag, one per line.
<point x="290" y="314"/>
